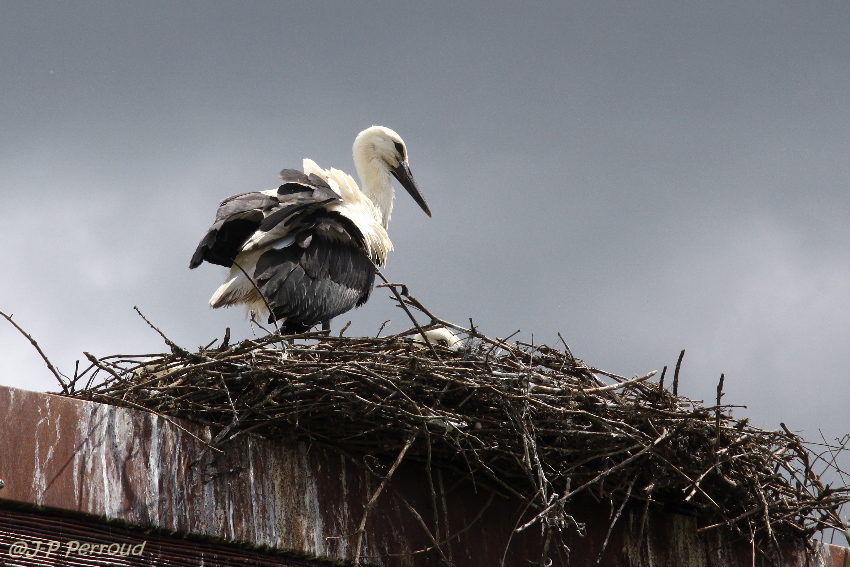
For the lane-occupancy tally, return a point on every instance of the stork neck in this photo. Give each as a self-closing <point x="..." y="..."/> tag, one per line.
<point x="377" y="184"/>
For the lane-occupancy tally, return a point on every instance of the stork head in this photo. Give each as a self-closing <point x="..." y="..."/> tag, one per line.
<point x="441" y="336"/>
<point x="379" y="151"/>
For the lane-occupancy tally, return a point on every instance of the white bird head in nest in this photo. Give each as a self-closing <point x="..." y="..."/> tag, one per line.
<point x="442" y="337"/>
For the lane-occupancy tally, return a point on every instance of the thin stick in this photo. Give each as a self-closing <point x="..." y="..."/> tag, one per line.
<point x="616" y="517"/>
<point x="361" y="530"/>
<point x="383" y="326"/>
<point x="567" y="348"/>
<point x="717" y="413"/>
<point x="260" y="293"/>
<point x="676" y="373"/>
<point x="46" y="360"/>
<point x="646" y="376"/>
<point x="406" y="310"/>
<point x="344" y="328"/>
<point x="169" y="342"/>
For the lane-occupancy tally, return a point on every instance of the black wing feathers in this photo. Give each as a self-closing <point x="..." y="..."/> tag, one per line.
<point x="222" y="242"/>
<point x="306" y="285"/>
<point x="245" y="204"/>
<point x="293" y="176"/>
<point x="240" y="216"/>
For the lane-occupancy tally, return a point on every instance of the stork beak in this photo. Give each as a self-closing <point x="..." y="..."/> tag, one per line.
<point x="402" y="173"/>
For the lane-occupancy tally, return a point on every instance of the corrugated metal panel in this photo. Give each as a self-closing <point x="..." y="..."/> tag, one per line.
<point x="31" y="539"/>
<point x="119" y="464"/>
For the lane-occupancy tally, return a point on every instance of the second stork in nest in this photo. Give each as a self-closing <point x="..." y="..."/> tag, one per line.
<point x="306" y="251"/>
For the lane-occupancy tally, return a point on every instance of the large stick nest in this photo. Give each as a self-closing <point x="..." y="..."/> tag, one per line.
<point x="531" y="419"/>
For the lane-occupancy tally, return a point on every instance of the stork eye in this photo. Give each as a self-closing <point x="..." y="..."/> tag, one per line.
<point x="400" y="149"/>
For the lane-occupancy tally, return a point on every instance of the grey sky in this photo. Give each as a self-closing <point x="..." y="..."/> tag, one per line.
<point x="642" y="177"/>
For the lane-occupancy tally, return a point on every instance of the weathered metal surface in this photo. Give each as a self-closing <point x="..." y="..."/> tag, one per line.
<point x="118" y="464"/>
<point x="128" y="465"/>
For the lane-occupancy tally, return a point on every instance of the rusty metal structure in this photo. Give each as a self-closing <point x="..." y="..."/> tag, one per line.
<point x="85" y="483"/>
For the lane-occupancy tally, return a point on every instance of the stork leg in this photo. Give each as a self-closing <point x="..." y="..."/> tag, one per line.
<point x="326" y="325"/>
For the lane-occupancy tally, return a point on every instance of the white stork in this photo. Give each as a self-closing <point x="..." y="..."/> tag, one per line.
<point x="309" y="246"/>
<point x="440" y="336"/>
